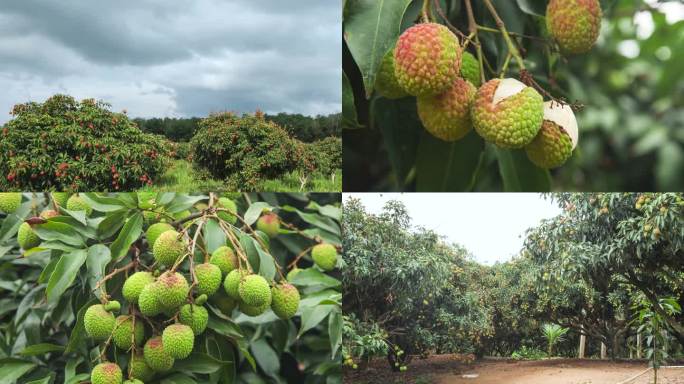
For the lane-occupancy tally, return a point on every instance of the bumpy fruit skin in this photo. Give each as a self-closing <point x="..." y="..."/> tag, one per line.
<point x="285" y="300"/>
<point x="135" y="284"/>
<point x="386" y="82"/>
<point x="168" y="248"/>
<point x="209" y="278"/>
<point x="26" y="237"/>
<point x="223" y="302"/>
<point x="447" y="115"/>
<point x="230" y="205"/>
<point x="574" y="24"/>
<point x="551" y="148"/>
<point x="232" y="282"/>
<point x="106" y="373"/>
<point x="511" y="123"/>
<point x="255" y="291"/>
<point x="139" y="368"/>
<point x="60" y="198"/>
<point x="155" y="230"/>
<point x="178" y="340"/>
<point x="147" y="301"/>
<point x="194" y="316"/>
<point x="124" y="329"/>
<point x="324" y="256"/>
<point x="9" y="202"/>
<point x="427" y="59"/>
<point x="146" y="199"/>
<point x="113" y="306"/>
<point x="156" y="356"/>
<point x="224" y="258"/>
<point x="269" y="224"/>
<point x="76" y="203"/>
<point x="470" y="69"/>
<point x="253" y="311"/>
<point x="172" y="289"/>
<point x="99" y="323"/>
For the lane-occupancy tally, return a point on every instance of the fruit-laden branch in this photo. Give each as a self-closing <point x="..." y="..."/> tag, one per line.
<point x="504" y="32"/>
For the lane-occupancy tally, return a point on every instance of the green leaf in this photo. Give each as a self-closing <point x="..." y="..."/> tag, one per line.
<point x="59" y="231"/>
<point x="254" y="211"/>
<point x="64" y="274"/>
<point x="213" y="235"/>
<point x="331" y="211"/>
<point x="312" y="276"/>
<point x="77" y="336"/>
<point x="448" y="167"/>
<point x="178" y="378"/>
<point x="129" y="234"/>
<point x="335" y="332"/>
<point x="248" y="246"/>
<point x="41" y="349"/>
<point x="105" y="204"/>
<point x="199" y="363"/>
<point x="311" y="317"/>
<point x="98" y="258"/>
<point x="266" y="357"/>
<point x="319" y="221"/>
<point x="111" y="224"/>
<point x="350" y="119"/>
<point x="519" y="174"/>
<point x="13" y="369"/>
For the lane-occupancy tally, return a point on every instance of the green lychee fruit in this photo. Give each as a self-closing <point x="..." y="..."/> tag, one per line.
<point x="209" y="278"/>
<point x="285" y="300"/>
<point x="134" y="284"/>
<point x="154" y="216"/>
<point x="253" y="311"/>
<point x="146" y="199"/>
<point x="507" y="113"/>
<point x="232" y="282"/>
<point x="178" y="340"/>
<point x="223" y="302"/>
<point x="269" y="224"/>
<point x="99" y="323"/>
<point x="427" y="59"/>
<point x="76" y="203"/>
<point x="168" y="248"/>
<point x="557" y="138"/>
<point x="155" y="230"/>
<point x="26" y="237"/>
<point x="147" y="301"/>
<point x="224" y="258"/>
<point x="156" y="356"/>
<point x="293" y="272"/>
<point x="386" y="82"/>
<point x="9" y="202"/>
<point x="201" y="299"/>
<point x="172" y="289"/>
<point x="60" y="198"/>
<point x="139" y="368"/>
<point x="112" y="306"/>
<point x="194" y="316"/>
<point x="447" y="115"/>
<point x="470" y="69"/>
<point x="106" y="373"/>
<point x="230" y="205"/>
<point x="123" y="334"/>
<point x="574" y="24"/>
<point x="254" y="291"/>
<point x="324" y="256"/>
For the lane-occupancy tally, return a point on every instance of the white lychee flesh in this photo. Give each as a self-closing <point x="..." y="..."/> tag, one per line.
<point x="507" y="88"/>
<point x="563" y="116"/>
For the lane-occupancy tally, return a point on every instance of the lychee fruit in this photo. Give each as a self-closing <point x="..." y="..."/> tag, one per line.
<point x="194" y="316"/>
<point x="134" y="284"/>
<point x="224" y="258"/>
<point x="386" y="82"/>
<point x="231" y="283"/>
<point x="9" y="202"/>
<point x="209" y="278"/>
<point x="324" y="256"/>
<point x="99" y="323"/>
<point x="223" y="302"/>
<point x="447" y="115"/>
<point x="285" y="300"/>
<point x="124" y="334"/>
<point x="168" y="248"/>
<point x="254" y="291"/>
<point x="229" y="205"/>
<point x="178" y="340"/>
<point x="155" y="230"/>
<point x="139" y="368"/>
<point x="250" y="310"/>
<point x="76" y="203"/>
<point x="171" y="289"/>
<point x="26" y="237"/>
<point x="156" y="356"/>
<point x="106" y="373"/>
<point x="148" y="302"/>
<point x="557" y="138"/>
<point x="470" y="69"/>
<point x="269" y="224"/>
<point x="60" y="198"/>
<point x="574" y="24"/>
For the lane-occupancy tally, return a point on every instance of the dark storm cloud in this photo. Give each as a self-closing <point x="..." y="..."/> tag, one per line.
<point x="162" y="57"/>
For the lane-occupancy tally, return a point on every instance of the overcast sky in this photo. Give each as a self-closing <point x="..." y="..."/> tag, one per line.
<point x="174" y="58"/>
<point x="490" y="225"/>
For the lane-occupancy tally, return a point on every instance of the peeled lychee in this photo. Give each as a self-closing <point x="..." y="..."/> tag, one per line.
<point x="447" y="115"/>
<point x="386" y="82"/>
<point x="556" y="139"/>
<point x="507" y="113"/>
<point x="574" y="24"/>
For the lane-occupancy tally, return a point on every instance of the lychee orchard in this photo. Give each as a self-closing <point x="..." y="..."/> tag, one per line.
<point x="167" y="283"/>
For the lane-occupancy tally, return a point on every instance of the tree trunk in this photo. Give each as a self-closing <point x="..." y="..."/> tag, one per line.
<point x="603" y="350"/>
<point x="638" y="353"/>
<point x="582" y="346"/>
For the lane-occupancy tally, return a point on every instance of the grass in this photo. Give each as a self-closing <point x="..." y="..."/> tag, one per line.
<point x="182" y="177"/>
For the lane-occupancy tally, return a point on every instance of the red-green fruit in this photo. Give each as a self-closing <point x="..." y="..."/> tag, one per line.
<point x="253" y="311"/>
<point x="178" y="340"/>
<point x="447" y="115"/>
<point x="285" y="300"/>
<point x="123" y="332"/>
<point x="76" y="203"/>
<point x="427" y="59"/>
<point x="48" y="214"/>
<point x="195" y="317"/>
<point x="9" y="202"/>
<point x="60" y="198"/>
<point x="507" y="113"/>
<point x="223" y="302"/>
<point x="139" y="368"/>
<point x="99" y="323"/>
<point x="232" y="282"/>
<point x="557" y="138"/>
<point x="324" y="256"/>
<point x="147" y="301"/>
<point x="230" y="205"/>
<point x="156" y="356"/>
<point x="135" y="284"/>
<point x="26" y="237"/>
<point x="168" y="248"/>
<point x="255" y="291"/>
<point x="106" y="373"/>
<point x="155" y="230"/>
<point x="269" y="224"/>
<point x="224" y="258"/>
<point x="470" y="69"/>
<point x="386" y="82"/>
<point x="209" y="278"/>
<point x="172" y="289"/>
<point x="574" y="24"/>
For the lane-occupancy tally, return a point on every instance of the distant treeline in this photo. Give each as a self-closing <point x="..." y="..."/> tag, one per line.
<point x="304" y="128"/>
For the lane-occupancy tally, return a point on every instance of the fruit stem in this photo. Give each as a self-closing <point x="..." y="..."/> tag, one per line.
<point x="504" y="68"/>
<point x="426" y="11"/>
<point x="502" y="27"/>
<point x="472" y="28"/>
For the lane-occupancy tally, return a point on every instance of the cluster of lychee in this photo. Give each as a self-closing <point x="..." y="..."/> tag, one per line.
<point x="429" y="63"/>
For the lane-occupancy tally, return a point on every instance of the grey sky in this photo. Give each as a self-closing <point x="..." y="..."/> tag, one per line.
<point x="172" y="58"/>
<point x="490" y="225"/>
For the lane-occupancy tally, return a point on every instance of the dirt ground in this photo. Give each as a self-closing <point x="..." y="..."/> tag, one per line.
<point x="450" y="369"/>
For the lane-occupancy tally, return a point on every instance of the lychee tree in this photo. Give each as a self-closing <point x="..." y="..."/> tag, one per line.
<point x="460" y="95"/>
<point x="94" y="299"/>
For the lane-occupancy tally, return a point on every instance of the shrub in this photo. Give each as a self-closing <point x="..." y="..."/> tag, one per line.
<point x="63" y="144"/>
<point x="325" y="155"/>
